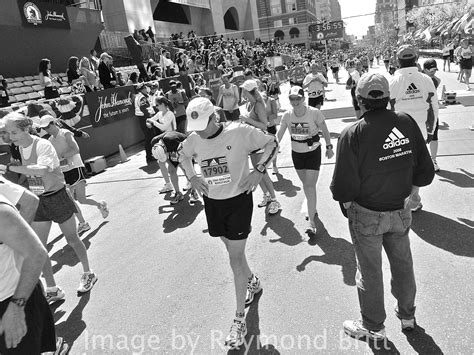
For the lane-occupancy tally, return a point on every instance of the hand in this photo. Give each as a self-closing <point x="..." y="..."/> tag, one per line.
<point x="429" y="139"/>
<point x="329" y="153"/>
<point x="200" y="185"/>
<point x="13" y="325"/>
<point x="85" y="135"/>
<point x="149" y="123"/>
<point x="251" y="181"/>
<point x="412" y="201"/>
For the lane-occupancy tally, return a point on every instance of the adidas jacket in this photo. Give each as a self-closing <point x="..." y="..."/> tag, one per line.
<point x="379" y="159"/>
<point x="414" y="93"/>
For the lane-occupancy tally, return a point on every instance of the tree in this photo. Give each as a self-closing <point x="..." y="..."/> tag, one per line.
<point x="435" y="15"/>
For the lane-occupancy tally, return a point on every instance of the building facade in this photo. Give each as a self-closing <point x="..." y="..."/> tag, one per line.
<point x="387" y="19"/>
<point x="288" y="20"/>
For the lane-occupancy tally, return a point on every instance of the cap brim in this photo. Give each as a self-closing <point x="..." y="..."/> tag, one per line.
<point x="199" y="124"/>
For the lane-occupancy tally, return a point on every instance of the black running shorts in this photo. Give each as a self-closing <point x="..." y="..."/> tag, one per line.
<point x="307" y="161"/>
<point x="57" y="207"/>
<point x="229" y="218"/>
<point x="40" y="336"/>
<point x="313" y="101"/>
<point x="75" y="176"/>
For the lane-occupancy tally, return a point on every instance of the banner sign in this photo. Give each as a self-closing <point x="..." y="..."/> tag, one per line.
<point x="323" y="31"/>
<point x="110" y="105"/>
<point x="282" y="75"/>
<point x="42" y="14"/>
<point x="297" y="74"/>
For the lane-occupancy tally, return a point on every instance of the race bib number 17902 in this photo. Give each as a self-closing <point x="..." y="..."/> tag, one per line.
<point x="215" y="171"/>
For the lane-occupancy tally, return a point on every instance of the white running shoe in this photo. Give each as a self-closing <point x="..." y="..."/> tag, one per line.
<point x="265" y="200"/>
<point x="236" y="337"/>
<point x="88" y="279"/>
<point x="104" y="209"/>
<point x="253" y="288"/>
<point x="356" y="330"/>
<point x="166" y="188"/>
<point x="274" y="207"/>
<point x="83" y="227"/>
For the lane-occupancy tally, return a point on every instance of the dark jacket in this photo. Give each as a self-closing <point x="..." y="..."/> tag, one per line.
<point x="379" y="159"/>
<point x="106" y="76"/>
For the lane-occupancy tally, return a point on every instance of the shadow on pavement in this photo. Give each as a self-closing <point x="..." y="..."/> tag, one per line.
<point x="464" y="179"/>
<point x="337" y="251"/>
<point x="467" y="222"/>
<point x="284" y="228"/>
<point x="67" y="256"/>
<point x="285" y="185"/>
<point x="73" y="326"/>
<point x="444" y="233"/>
<point x="383" y="348"/>
<point x="150" y="169"/>
<point x="422" y="342"/>
<point x="181" y="215"/>
<point x="443" y="126"/>
<point x="252" y="344"/>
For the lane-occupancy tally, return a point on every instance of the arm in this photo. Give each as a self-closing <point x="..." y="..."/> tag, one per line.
<point x="19" y="236"/>
<point x="27" y="205"/>
<point x="219" y="97"/>
<point x="75" y="131"/>
<point x="283" y="127"/>
<point x="73" y="148"/>
<point x="32" y="170"/>
<point x="167" y="119"/>
<point x="262" y="117"/>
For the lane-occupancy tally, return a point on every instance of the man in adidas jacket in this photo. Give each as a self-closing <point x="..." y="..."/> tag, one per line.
<point x="381" y="163"/>
<point x="414" y="92"/>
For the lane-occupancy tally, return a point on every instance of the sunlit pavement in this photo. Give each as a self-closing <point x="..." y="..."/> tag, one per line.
<point x="165" y="286"/>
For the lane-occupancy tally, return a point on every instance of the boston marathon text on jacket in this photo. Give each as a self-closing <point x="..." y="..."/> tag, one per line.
<point x="379" y="158"/>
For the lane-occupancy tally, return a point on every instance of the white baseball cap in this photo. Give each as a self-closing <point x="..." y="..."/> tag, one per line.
<point x="198" y="112"/>
<point x="249" y="85"/>
<point x="45" y="120"/>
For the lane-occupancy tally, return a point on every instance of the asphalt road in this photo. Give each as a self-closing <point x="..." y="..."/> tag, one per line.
<point x="165" y="286"/>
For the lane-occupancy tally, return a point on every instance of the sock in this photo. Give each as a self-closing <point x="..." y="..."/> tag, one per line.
<point x="52" y="289"/>
<point x="240" y="316"/>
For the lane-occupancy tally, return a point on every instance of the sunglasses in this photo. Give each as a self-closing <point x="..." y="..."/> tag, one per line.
<point x="295" y="98"/>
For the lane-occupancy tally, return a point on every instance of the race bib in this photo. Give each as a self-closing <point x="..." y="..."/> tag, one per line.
<point x="299" y="130"/>
<point x="216" y="171"/>
<point x="64" y="166"/>
<point x="315" y="93"/>
<point x="36" y="184"/>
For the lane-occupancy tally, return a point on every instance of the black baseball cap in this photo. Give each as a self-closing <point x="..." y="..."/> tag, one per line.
<point x="430" y="64"/>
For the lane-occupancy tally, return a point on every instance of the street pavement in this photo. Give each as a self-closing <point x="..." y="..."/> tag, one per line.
<point x="165" y="286"/>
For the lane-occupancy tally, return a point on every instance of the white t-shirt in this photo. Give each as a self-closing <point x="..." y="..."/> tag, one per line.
<point x="166" y="122"/>
<point x="47" y="155"/>
<point x="315" y="87"/>
<point x="224" y="159"/>
<point x="9" y="268"/>
<point x="302" y="128"/>
<point x="12" y="192"/>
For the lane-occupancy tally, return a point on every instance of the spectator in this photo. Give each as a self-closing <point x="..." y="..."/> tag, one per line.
<point x="120" y="79"/>
<point x="143" y="34"/>
<point x="150" y="34"/>
<point x="179" y="100"/>
<point x="133" y="79"/>
<point x="143" y="111"/>
<point x="94" y="61"/>
<point x="89" y="76"/>
<point x="4" y="98"/>
<point x="72" y="71"/>
<point x="106" y="73"/>
<point x="181" y="63"/>
<point x="137" y="36"/>
<point x="229" y="95"/>
<point x="49" y="83"/>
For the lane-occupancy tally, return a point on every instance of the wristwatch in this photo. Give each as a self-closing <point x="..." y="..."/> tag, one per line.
<point x="329" y="146"/>
<point x="20" y="302"/>
<point x="261" y="168"/>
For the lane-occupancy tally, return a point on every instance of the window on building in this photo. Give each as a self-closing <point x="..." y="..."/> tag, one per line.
<point x="278" y="23"/>
<point x="291" y="5"/>
<point x="275" y="7"/>
<point x="279" y="35"/>
<point x="294" y="32"/>
<point x="291" y="21"/>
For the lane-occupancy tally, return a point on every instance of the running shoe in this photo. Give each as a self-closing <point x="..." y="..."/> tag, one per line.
<point x="253" y="288"/>
<point x="166" y="188"/>
<point x="104" y="209"/>
<point x="265" y="201"/>
<point x="408" y="324"/>
<point x="236" y="337"/>
<point x="188" y="186"/>
<point x="356" y="330"/>
<point x="418" y="207"/>
<point x="436" y="167"/>
<point x="193" y="197"/>
<point x="176" y="198"/>
<point x="83" y="227"/>
<point x="274" y="207"/>
<point x="54" y="296"/>
<point x="88" y="280"/>
<point x="62" y="348"/>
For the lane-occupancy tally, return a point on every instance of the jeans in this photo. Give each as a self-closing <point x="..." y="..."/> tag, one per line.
<point x="370" y="230"/>
<point x="148" y="133"/>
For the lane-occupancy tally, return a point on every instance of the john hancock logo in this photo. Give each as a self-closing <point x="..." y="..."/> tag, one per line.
<point x="32" y="13"/>
<point x="114" y="107"/>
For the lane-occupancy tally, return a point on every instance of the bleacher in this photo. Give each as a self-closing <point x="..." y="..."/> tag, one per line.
<point x="24" y="90"/>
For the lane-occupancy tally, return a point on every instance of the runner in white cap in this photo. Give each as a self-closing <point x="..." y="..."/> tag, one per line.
<point x="226" y="185"/>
